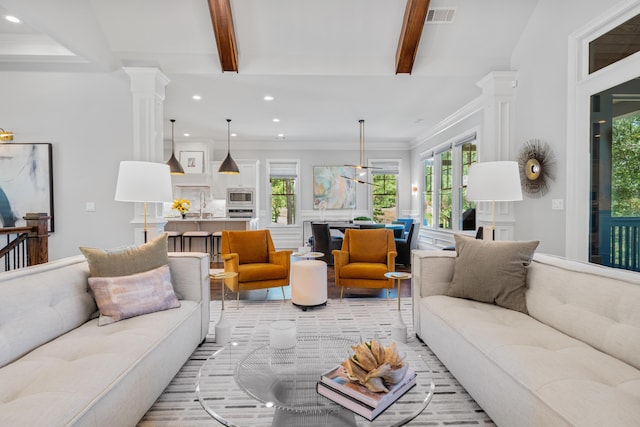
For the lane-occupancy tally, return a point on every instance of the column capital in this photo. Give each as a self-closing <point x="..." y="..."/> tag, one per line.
<point x="147" y="79"/>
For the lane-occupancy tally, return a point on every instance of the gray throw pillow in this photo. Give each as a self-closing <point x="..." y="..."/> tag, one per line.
<point x="129" y="260"/>
<point x="492" y="271"/>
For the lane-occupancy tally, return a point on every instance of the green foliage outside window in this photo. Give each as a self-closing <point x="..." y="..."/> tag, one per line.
<point x="384" y="198"/>
<point x="283" y="201"/>
<point x="428" y="193"/>
<point x="625" y="180"/>
<point x="446" y="188"/>
<point x="469" y="157"/>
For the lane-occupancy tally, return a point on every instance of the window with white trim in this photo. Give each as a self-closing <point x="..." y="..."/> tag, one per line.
<point x="445" y="170"/>
<point x="385" y="190"/>
<point x="283" y="175"/>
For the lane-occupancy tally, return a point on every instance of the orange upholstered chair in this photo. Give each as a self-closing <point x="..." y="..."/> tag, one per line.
<point x="365" y="257"/>
<point x="252" y="255"/>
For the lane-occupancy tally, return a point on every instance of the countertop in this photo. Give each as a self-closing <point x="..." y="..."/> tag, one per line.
<point x="215" y="219"/>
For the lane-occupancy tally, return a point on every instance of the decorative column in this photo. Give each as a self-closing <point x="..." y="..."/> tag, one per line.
<point x="147" y="85"/>
<point x="498" y="101"/>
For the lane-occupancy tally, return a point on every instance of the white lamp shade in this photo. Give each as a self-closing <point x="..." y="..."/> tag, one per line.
<point x="494" y="181"/>
<point x="143" y="182"/>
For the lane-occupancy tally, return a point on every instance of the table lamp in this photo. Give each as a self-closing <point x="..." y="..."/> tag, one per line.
<point x="494" y="182"/>
<point x="143" y="182"/>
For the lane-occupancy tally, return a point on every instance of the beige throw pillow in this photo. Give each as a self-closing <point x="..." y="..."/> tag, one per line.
<point x="492" y="271"/>
<point x="130" y="260"/>
<point x="128" y="296"/>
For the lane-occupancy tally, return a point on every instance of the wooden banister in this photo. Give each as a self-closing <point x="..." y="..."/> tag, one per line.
<point x="35" y="233"/>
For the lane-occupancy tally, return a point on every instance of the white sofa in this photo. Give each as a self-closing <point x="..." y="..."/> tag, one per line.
<point x="573" y="360"/>
<point x="58" y="368"/>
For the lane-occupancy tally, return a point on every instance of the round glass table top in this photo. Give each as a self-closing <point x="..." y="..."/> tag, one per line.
<point x="241" y="385"/>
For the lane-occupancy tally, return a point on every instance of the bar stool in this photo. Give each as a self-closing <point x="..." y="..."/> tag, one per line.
<point x="216" y="238"/>
<point x="175" y="236"/>
<point x="206" y="235"/>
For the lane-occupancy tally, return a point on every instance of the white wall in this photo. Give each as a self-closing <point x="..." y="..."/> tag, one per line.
<point x="541" y="62"/>
<point x="541" y="59"/>
<point x="88" y="119"/>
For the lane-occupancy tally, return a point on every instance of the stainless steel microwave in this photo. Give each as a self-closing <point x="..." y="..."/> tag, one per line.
<point x="241" y="197"/>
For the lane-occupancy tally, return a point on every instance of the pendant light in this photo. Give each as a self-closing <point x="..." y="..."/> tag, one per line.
<point x="229" y="166"/>
<point x="174" y="165"/>
<point x="361" y="167"/>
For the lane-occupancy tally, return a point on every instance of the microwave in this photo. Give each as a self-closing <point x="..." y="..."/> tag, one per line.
<point x="243" y="197"/>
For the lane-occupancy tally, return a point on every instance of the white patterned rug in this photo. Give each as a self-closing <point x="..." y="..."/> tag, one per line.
<point x="178" y="406"/>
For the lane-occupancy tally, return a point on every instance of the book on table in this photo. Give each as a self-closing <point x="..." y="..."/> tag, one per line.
<point x="336" y="386"/>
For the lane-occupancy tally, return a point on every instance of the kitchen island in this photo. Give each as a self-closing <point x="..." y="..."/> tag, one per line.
<point x="212" y="225"/>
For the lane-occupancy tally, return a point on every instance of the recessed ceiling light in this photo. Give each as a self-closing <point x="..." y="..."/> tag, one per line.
<point x="281" y="135"/>
<point x="197" y="97"/>
<point x="187" y="134"/>
<point x="268" y="98"/>
<point x="234" y="134"/>
<point x="276" y="120"/>
<point x="13" y="19"/>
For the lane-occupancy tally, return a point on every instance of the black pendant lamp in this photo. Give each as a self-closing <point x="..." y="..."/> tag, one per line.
<point x="229" y="166"/>
<point x="174" y="165"/>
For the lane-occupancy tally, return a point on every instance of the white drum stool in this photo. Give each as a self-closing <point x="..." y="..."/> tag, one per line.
<point x="309" y="283"/>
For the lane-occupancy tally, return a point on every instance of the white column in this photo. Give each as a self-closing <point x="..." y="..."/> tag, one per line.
<point x="498" y="100"/>
<point x="147" y="86"/>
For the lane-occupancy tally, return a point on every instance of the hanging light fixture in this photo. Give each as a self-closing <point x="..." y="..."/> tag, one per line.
<point x="361" y="169"/>
<point x="229" y="166"/>
<point x="174" y="165"/>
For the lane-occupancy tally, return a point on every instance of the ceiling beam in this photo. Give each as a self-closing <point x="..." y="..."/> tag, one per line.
<point x="222" y="21"/>
<point x="415" y="14"/>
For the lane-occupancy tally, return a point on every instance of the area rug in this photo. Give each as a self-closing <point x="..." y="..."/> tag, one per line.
<point x="178" y="406"/>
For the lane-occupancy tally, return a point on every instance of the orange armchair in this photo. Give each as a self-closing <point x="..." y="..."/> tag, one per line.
<point x="252" y="255"/>
<point x="365" y="257"/>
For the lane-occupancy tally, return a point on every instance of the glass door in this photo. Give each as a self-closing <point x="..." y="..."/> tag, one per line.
<point x="615" y="177"/>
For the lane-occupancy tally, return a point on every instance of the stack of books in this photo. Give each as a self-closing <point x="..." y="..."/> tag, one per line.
<point x="336" y="386"/>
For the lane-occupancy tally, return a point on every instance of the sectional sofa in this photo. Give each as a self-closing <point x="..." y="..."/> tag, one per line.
<point x="571" y="357"/>
<point x="59" y="368"/>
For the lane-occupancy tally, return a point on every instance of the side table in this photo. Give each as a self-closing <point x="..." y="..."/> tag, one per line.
<point x="398" y="327"/>
<point x="308" y="280"/>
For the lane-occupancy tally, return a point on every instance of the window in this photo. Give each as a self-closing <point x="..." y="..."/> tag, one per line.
<point x="427" y="219"/>
<point x="282" y="178"/>
<point x="467" y="208"/>
<point x="445" y="186"/>
<point x="384" y="198"/>
<point x="385" y="190"/>
<point x="446" y="190"/>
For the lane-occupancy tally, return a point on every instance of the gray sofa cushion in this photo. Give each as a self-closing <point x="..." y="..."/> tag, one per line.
<point x="492" y="271"/>
<point x="130" y="260"/>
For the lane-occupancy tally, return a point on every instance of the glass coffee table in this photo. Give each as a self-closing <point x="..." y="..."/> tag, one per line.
<point x="262" y="386"/>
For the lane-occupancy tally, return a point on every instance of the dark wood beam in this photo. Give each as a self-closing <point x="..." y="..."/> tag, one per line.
<point x="222" y="21"/>
<point x="414" y="16"/>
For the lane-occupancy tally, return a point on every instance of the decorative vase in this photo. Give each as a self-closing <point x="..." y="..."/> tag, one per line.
<point x="184" y="215"/>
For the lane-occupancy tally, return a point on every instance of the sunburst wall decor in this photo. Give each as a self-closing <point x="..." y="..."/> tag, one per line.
<point x="537" y="167"/>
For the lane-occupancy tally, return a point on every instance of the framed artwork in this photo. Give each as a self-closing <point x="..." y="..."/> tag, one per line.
<point x="26" y="182"/>
<point x="331" y="190"/>
<point x="192" y="161"/>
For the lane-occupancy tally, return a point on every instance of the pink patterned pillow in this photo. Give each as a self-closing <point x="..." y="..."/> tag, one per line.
<point x="128" y="296"/>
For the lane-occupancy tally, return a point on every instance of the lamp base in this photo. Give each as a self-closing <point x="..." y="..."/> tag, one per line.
<point x="223" y="330"/>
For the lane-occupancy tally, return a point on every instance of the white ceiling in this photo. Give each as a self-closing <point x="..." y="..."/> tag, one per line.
<point x="328" y="63"/>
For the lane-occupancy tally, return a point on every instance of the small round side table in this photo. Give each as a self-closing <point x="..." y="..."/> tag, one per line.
<point x="223" y="328"/>
<point x="398" y="327"/>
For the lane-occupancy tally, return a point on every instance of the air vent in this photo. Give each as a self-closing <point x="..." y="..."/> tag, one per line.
<point x="440" y="16"/>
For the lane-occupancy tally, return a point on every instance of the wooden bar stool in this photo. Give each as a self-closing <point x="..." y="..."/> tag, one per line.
<point x="206" y="235"/>
<point x="175" y="236"/>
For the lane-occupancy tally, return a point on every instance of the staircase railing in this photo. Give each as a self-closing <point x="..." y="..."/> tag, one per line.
<point x="25" y="246"/>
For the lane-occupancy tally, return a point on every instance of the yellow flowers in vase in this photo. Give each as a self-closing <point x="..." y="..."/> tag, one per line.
<point x="182" y="206"/>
